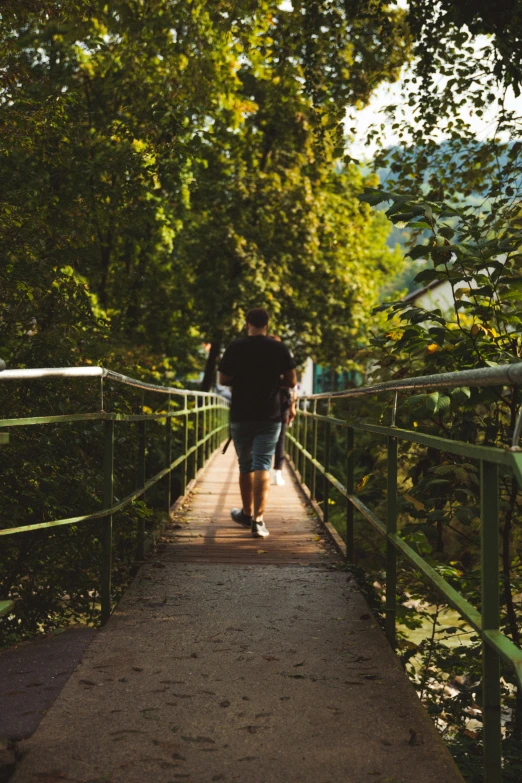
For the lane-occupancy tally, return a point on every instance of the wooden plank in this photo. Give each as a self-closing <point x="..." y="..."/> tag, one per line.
<point x="203" y="532"/>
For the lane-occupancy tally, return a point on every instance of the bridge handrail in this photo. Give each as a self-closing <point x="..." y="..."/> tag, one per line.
<point x="204" y="420"/>
<point x="503" y="375"/>
<point x="304" y="452"/>
<point x="95" y="372"/>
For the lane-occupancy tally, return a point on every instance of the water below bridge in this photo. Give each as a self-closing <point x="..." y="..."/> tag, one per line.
<point x="239" y="659"/>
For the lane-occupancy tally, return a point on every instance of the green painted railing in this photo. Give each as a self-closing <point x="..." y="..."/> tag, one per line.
<point x="205" y="421"/>
<point x="303" y="450"/>
<point x="5" y="606"/>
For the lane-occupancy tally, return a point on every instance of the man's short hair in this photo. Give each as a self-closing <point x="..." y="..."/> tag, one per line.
<point x="257" y="317"/>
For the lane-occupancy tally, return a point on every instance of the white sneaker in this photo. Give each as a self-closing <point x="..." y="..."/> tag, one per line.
<point x="278" y="478"/>
<point x="259" y="530"/>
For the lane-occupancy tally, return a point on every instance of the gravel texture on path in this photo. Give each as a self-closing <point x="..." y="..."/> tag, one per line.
<point x="238" y="673"/>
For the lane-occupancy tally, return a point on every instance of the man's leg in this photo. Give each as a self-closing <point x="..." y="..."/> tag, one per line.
<point x="246" y="485"/>
<point x="261" y="485"/>
<point x="263" y="447"/>
<point x="242" y="436"/>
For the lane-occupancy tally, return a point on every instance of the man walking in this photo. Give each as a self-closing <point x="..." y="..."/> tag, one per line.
<point x="256" y="367"/>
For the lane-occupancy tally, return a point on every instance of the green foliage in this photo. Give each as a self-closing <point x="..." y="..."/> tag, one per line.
<point x="164" y="166"/>
<point x="178" y="159"/>
<point x="478" y="258"/>
<point x="475" y="259"/>
<point x="55" y="471"/>
<point x="457" y="128"/>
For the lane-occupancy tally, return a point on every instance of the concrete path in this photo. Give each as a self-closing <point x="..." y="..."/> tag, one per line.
<point x="33" y="673"/>
<point x="260" y="673"/>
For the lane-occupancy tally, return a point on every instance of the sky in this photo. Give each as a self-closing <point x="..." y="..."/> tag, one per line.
<point x="389" y="94"/>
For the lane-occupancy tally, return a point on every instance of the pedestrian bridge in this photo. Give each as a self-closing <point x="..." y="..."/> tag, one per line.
<point x="231" y="658"/>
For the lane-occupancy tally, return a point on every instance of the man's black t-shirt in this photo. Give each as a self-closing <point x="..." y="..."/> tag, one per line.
<point x="255" y="365"/>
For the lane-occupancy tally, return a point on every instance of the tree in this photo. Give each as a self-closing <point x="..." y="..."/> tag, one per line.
<point x="105" y="103"/>
<point x="465" y="65"/>
<point x="259" y="228"/>
<point x="158" y="158"/>
<point x="114" y="110"/>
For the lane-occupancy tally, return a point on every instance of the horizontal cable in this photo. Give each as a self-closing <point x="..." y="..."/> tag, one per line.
<point x="472" y="450"/>
<point x="475" y="451"/>
<point x="105" y="416"/>
<point x="28" y="420"/>
<point x="6" y="607"/>
<point x="105" y="512"/>
<point x="507" y="649"/>
<point x="321" y="417"/>
<point x="504" y="646"/>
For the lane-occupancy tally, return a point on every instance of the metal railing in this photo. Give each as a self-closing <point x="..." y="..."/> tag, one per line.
<point x="303" y="450"/>
<point x="204" y="417"/>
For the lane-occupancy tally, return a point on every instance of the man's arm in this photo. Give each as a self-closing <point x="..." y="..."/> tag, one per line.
<point x="289" y="379"/>
<point x="225" y="380"/>
<point x="226" y="367"/>
<point x="292" y="412"/>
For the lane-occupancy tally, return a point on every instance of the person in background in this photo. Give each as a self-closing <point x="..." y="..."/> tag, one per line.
<point x="256" y="368"/>
<point x="288" y="413"/>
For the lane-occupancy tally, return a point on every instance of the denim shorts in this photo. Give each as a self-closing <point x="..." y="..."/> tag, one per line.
<point x="255" y="443"/>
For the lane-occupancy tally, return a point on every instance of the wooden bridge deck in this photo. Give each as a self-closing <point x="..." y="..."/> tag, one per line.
<point x="235" y="659"/>
<point x="203" y="531"/>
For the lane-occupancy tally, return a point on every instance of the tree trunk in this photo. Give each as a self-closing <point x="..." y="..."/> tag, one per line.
<point x="210" y="367"/>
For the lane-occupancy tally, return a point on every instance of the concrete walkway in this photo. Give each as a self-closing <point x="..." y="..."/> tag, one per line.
<point x="239" y="671"/>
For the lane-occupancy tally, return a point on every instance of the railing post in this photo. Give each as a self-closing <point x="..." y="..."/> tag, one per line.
<point x="168" y="454"/>
<point x="225" y="420"/>
<point x="305" y="441"/>
<point x="298" y="454"/>
<point x="302" y="469"/>
<point x="292" y="447"/>
<point x="391" y="552"/>
<point x="142" y="471"/>
<point x="295" y="450"/>
<point x="212" y="438"/>
<point x="219" y="421"/>
<point x="213" y="441"/>
<point x="185" y="445"/>
<point x="492" y="737"/>
<point x="350" y="489"/>
<point x="327" y="447"/>
<point x="210" y="425"/>
<point x="313" y="487"/>
<point x="205" y="431"/>
<point x="106" y="523"/>
<point x="196" y="436"/>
